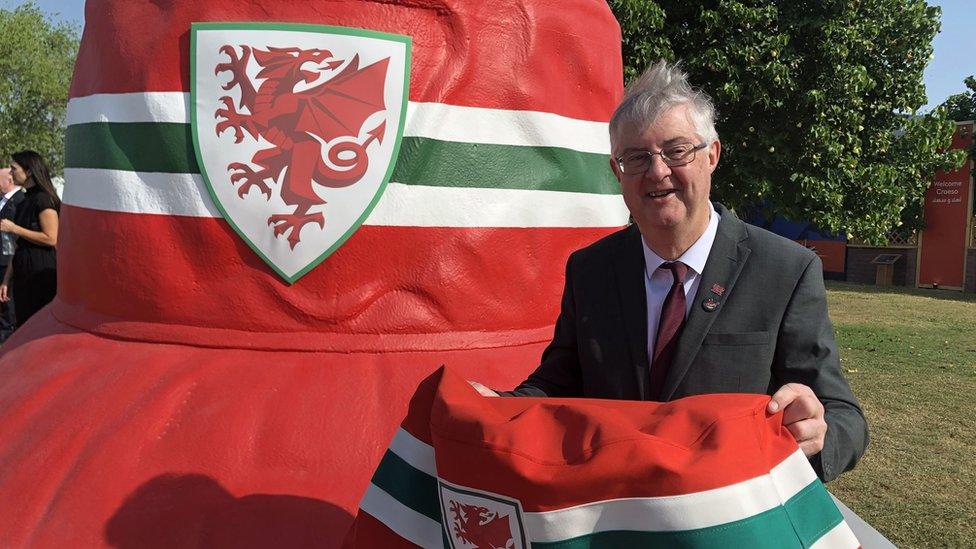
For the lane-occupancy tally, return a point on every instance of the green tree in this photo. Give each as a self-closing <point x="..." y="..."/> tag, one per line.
<point x="961" y="107"/>
<point x="37" y="58"/>
<point x="812" y="96"/>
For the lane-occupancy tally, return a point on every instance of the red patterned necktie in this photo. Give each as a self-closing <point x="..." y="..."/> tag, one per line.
<point x="668" y="327"/>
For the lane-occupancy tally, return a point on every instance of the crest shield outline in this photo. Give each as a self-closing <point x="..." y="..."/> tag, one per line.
<point x="471" y="518"/>
<point x="296" y="130"/>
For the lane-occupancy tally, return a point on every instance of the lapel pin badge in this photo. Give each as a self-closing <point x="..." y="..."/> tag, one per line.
<point x="709" y="304"/>
<point x="718" y="289"/>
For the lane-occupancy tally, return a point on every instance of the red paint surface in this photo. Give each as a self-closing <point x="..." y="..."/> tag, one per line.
<point x="545" y="55"/>
<point x="177" y="393"/>
<point x="106" y="441"/>
<point x="942" y="254"/>
<point x="196" y="273"/>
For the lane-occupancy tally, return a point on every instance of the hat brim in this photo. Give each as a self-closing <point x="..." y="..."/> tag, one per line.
<point x="108" y="440"/>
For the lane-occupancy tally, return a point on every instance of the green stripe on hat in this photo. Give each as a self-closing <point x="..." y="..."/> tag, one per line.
<point x="813" y="512"/>
<point x="168" y="148"/>
<point x="411" y="487"/>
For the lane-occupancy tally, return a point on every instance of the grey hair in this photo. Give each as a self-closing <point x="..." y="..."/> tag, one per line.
<point x="661" y="87"/>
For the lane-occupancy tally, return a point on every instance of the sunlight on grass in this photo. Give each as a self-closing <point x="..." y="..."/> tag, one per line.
<point x="910" y="356"/>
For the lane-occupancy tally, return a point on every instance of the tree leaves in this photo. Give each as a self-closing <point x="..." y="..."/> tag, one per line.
<point x="36" y="59"/>
<point x="961" y="107"/>
<point x="813" y="99"/>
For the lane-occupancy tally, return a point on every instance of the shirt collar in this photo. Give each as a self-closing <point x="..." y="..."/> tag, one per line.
<point x="695" y="256"/>
<point x="11" y="193"/>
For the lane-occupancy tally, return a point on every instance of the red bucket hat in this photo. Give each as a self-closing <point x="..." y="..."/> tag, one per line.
<point x="191" y="386"/>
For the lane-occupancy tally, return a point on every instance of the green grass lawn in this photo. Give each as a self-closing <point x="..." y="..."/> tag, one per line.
<point x="910" y="356"/>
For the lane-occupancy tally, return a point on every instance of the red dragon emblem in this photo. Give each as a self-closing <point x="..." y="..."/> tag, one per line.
<point x="476" y="525"/>
<point x="315" y="133"/>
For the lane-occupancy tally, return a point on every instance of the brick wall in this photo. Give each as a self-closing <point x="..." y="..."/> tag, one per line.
<point x="861" y="270"/>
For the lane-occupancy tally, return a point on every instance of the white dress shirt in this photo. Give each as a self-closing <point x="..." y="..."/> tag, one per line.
<point x="657" y="282"/>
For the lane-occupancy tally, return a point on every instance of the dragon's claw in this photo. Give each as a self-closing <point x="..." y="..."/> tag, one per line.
<point x="237" y="66"/>
<point x="238" y="133"/>
<point x="233" y="120"/>
<point x="293" y="224"/>
<point x="245" y="188"/>
<point x="247" y="178"/>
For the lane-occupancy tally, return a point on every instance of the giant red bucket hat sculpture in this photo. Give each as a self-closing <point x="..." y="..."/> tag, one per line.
<point x="429" y="164"/>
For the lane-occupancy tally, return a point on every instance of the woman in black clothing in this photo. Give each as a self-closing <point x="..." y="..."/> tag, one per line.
<point x="31" y="277"/>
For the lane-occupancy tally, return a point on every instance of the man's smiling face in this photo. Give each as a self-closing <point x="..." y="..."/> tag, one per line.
<point x="667" y="198"/>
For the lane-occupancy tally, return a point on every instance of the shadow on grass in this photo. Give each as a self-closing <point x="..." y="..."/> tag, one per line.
<point x="945" y="295"/>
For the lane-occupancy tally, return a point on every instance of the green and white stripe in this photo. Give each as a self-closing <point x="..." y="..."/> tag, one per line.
<point x="134" y="153"/>
<point x="403" y="491"/>
<point x="768" y="511"/>
<point x="430" y="120"/>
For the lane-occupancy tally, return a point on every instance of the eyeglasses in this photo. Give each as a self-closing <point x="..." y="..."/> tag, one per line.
<point x="637" y="162"/>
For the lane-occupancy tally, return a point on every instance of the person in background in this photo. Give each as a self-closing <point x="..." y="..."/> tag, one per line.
<point x="31" y="276"/>
<point x="11" y="195"/>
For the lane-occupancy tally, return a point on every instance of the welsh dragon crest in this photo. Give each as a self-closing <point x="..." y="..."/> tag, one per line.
<point x="477" y="526"/>
<point x="296" y="116"/>
<point x="297" y="124"/>
<point x="476" y="519"/>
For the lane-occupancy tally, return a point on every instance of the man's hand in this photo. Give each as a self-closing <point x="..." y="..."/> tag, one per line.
<point x="485" y="391"/>
<point x="803" y="415"/>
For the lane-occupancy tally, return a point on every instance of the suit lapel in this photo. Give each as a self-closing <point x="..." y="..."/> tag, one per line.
<point x="725" y="261"/>
<point x="628" y="265"/>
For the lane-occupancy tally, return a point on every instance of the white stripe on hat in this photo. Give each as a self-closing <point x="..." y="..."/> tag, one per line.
<point x="410" y="449"/>
<point x="675" y="513"/>
<point x="661" y="514"/>
<point x="401" y="205"/>
<point x="839" y="537"/>
<point x="407" y="523"/>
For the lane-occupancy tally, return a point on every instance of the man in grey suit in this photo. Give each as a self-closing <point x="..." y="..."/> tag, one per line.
<point x="689" y="299"/>
<point x="11" y="195"/>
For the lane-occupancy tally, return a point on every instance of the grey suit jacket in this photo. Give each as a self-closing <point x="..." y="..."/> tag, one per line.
<point x="9" y="211"/>
<point x="770" y="328"/>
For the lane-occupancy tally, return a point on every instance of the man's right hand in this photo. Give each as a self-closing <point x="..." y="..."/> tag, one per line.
<point x="485" y="391"/>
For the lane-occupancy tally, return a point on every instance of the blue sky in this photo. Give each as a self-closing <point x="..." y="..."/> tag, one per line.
<point x="954" y="47"/>
<point x="953" y="60"/>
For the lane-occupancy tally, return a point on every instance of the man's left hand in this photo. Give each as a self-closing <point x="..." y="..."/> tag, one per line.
<point x="482" y="390"/>
<point x="803" y="415"/>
